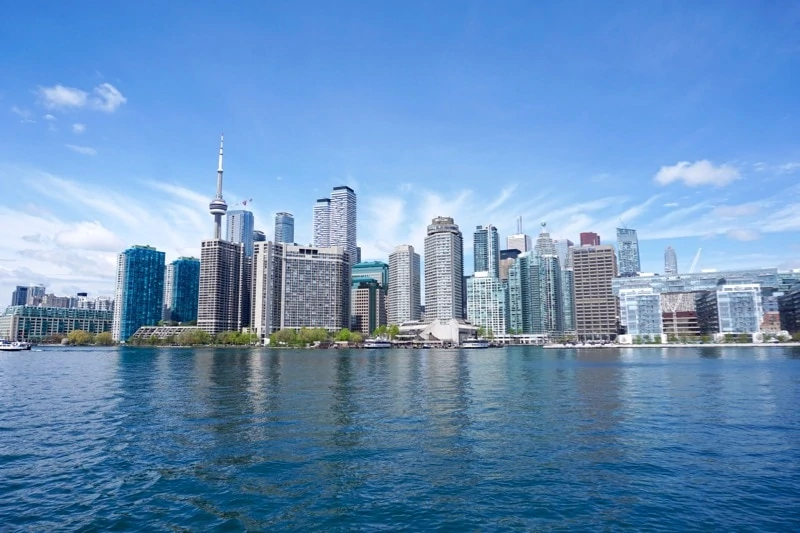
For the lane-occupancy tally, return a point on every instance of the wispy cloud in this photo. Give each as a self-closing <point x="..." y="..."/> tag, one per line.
<point x="105" y="98"/>
<point x="26" y="117"/>
<point x="742" y="234"/>
<point x="697" y="174"/>
<point x="78" y="128"/>
<point x="505" y="194"/>
<point x="85" y="150"/>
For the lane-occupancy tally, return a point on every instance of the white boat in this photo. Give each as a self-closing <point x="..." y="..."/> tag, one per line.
<point x="15" y="346"/>
<point x="377" y="343"/>
<point x="475" y="343"/>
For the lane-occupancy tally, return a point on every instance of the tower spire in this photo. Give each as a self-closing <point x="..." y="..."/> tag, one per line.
<point x="218" y="207"/>
<point x="219" y="168"/>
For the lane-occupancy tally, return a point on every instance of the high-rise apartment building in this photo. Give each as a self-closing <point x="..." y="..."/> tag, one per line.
<point x="444" y="270"/>
<point x="563" y="247"/>
<point x="368" y="309"/>
<point x="139" y="290"/>
<point x="590" y="238"/>
<point x="507" y="258"/>
<point x="486" y="250"/>
<point x="524" y="295"/>
<point x="182" y="289"/>
<point x="343" y="220"/>
<point x="486" y="303"/>
<point x="670" y="262"/>
<point x="640" y="312"/>
<point x="595" y="304"/>
<point x="322" y="223"/>
<point x="404" y="285"/>
<point x="628" y="250"/>
<point x="551" y="295"/>
<point x="300" y="286"/>
<point x="284" y="227"/>
<point x="240" y="228"/>
<point x="377" y="270"/>
<point x="35" y="295"/>
<point x="19" y="296"/>
<point x="259" y="236"/>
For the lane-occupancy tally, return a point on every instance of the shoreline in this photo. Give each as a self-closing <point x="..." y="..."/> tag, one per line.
<point x="678" y="345"/>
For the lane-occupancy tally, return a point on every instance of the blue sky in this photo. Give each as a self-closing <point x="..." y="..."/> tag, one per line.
<point x="680" y="119"/>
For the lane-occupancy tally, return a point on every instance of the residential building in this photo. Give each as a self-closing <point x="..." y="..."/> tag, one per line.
<point x="640" y="312"/>
<point x="444" y="270"/>
<point x="590" y="238"/>
<point x="182" y="289"/>
<point x="368" y="311"/>
<point x="19" y="296"/>
<point x="486" y="250"/>
<point x="343" y="222"/>
<point x="734" y="308"/>
<point x="670" y="262"/>
<point x="139" y="293"/>
<point x="377" y="270"/>
<point x="486" y="303"/>
<point x="507" y="258"/>
<point x="35" y="295"/>
<point x="563" y="247"/>
<point x="678" y="313"/>
<point x="100" y="303"/>
<point x="240" y="229"/>
<point x="551" y="295"/>
<point x="284" y="228"/>
<point x="322" y="223"/>
<point x="223" y="302"/>
<point x="595" y="304"/>
<point x="628" y="250"/>
<point x="259" y="236"/>
<point x="789" y="306"/>
<point x="32" y="324"/>
<point x="358" y="254"/>
<point x="524" y="300"/>
<point x="404" y="285"/>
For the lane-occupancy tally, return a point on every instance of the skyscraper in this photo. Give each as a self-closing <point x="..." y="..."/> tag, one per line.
<point x="563" y="247"/>
<point x="551" y="295"/>
<point x="520" y="240"/>
<point x="181" y="289"/>
<point x="19" y="296"/>
<point x="259" y="236"/>
<point x="404" y="285"/>
<point x="670" y="262"/>
<point x="444" y="270"/>
<point x="322" y="223"/>
<point x="224" y="279"/>
<point x="368" y="310"/>
<point x="595" y="304"/>
<point x="377" y="270"/>
<point x="284" y="227"/>
<point x="524" y="295"/>
<point x="486" y="303"/>
<point x="240" y="229"/>
<point x="486" y="250"/>
<point x="343" y="220"/>
<point x="35" y="295"/>
<point x="628" y="250"/>
<point x="507" y="258"/>
<point x="139" y="290"/>
<point x="590" y="238"/>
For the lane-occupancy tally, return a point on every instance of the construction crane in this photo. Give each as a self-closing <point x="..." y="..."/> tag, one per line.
<point x="243" y="203"/>
<point x="694" y="262"/>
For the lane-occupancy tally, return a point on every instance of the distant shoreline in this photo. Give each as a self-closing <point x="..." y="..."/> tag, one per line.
<point x="678" y="345"/>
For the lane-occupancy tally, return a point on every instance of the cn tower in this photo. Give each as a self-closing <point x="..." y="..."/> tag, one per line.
<point x="218" y="207"/>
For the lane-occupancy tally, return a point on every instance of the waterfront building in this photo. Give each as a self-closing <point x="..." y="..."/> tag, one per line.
<point x="64" y="302"/>
<point x="595" y="303"/>
<point x="19" y="296"/>
<point x="789" y="307"/>
<point x="259" y="236"/>
<point x="444" y="270"/>
<point x="590" y="238"/>
<point x="404" y="285"/>
<point x="35" y="295"/>
<point x="284" y="227"/>
<point x="707" y="280"/>
<point x="670" y="262"/>
<point x="343" y="222"/>
<point x="182" y="289"/>
<point x="524" y="300"/>
<point x="35" y="323"/>
<point x="100" y="303"/>
<point x="628" y="251"/>
<point x="678" y="313"/>
<point x="486" y="250"/>
<point x="640" y="312"/>
<point x="486" y="303"/>
<point x="139" y="293"/>
<point x="322" y="223"/>
<point x="368" y="311"/>
<point x="563" y="247"/>
<point x="734" y="308"/>
<point x="377" y="270"/>
<point x="507" y="258"/>
<point x="240" y="229"/>
<point x="223" y="301"/>
<point x="551" y="295"/>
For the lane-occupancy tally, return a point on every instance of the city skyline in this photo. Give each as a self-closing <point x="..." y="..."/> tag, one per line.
<point x="472" y="122"/>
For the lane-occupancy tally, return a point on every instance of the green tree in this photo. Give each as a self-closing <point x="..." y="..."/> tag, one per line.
<point x="393" y="331"/>
<point x="78" y="337"/>
<point x="283" y="337"/>
<point x="193" y="337"/>
<point x="356" y="337"/>
<point x="104" y="339"/>
<point x="343" y="335"/>
<point x="380" y="331"/>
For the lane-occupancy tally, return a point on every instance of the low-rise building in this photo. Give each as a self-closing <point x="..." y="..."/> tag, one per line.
<point x="34" y="323"/>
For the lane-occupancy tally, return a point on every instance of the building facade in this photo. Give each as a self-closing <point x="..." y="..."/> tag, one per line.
<point x="640" y="312"/>
<point x="19" y="296"/>
<point x="789" y="308"/>
<point x="670" y="262"/>
<point x="32" y="324"/>
<point x="486" y="250"/>
<point x="259" y="236"/>
<point x="344" y="207"/>
<point x="182" y="289"/>
<point x="139" y="294"/>
<point x="377" y="270"/>
<point x="519" y="241"/>
<point x="322" y="223"/>
<point x="486" y="303"/>
<point x="730" y="309"/>
<point x="222" y="292"/>
<point x="628" y="250"/>
<point x="507" y="258"/>
<point x="524" y="300"/>
<point x="590" y="238"/>
<point x="240" y="228"/>
<point x="444" y="270"/>
<point x="404" y="285"/>
<point x="35" y="295"/>
<point x="284" y="228"/>
<point x="595" y="303"/>
<point x="368" y="309"/>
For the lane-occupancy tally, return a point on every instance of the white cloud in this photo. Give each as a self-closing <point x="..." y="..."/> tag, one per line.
<point x="88" y="236"/>
<point x="105" y="97"/>
<point x="788" y="168"/>
<point x="24" y="115"/>
<point x="505" y="194"/>
<point x="697" y="174"/>
<point x="85" y="150"/>
<point x="50" y="118"/>
<point x="78" y="128"/>
<point x="742" y="234"/>
<point x="672" y="204"/>
<point x="736" y="211"/>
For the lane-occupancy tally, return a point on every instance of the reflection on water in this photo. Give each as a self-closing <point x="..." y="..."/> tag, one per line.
<point x="501" y="439"/>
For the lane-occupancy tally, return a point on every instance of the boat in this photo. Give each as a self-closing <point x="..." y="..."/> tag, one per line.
<point x="475" y="343"/>
<point x="15" y="346"/>
<point x="377" y="343"/>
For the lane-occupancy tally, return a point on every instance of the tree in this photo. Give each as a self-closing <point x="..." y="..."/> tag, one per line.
<point x="380" y="331"/>
<point x="393" y="331"/>
<point x="343" y="335"/>
<point x="104" y="339"/>
<point x="78" y="337"/>
<point x="283" y="337"/>
<point x="356" y="337"/>
<point x="193" y="337"/>
<point x="481" y="332"/>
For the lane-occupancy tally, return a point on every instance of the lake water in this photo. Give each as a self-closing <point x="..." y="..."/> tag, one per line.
<point x="512" y="439"/>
